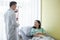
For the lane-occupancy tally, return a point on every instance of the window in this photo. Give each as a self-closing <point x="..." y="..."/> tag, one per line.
<point x="29" y="11"/>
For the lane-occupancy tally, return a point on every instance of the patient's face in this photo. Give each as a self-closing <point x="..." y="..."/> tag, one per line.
<point x="36" y="24"/>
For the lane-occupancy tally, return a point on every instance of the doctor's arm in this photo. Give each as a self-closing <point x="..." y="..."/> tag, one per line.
<point x="14" y="23"/>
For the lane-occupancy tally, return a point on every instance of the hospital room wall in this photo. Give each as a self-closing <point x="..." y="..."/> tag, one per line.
<point x="51" y="17"/>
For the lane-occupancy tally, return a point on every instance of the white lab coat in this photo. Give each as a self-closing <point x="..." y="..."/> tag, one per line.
<point x="10" y="23"/>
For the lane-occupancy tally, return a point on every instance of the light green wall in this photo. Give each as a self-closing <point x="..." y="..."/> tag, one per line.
<point x="51" y="17"/>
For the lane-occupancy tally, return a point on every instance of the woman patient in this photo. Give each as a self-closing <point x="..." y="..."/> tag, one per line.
<point x="36" y="30"/>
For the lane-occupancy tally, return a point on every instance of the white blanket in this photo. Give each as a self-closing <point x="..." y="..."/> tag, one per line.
<point x="42" y="38"/>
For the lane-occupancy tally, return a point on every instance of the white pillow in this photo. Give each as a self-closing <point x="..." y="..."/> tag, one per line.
<point x="26" y="30"/>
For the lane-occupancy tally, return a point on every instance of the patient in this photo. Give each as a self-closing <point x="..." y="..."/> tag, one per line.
<point x="39" y="33"/>
<point x="36" y="30"/>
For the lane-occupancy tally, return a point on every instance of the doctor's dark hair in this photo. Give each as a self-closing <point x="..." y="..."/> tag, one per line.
<point x="38" y="23"/>
<point x="13" y="3"/>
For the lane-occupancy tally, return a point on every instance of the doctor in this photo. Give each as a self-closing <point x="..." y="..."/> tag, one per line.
<point x="10" y="22"/>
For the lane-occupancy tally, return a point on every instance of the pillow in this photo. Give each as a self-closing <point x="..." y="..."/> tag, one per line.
<point x="26" y="30"/>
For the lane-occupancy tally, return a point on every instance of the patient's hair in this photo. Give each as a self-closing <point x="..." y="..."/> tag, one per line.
<point x="13" y="3"/>
<point x="39" y="25"/>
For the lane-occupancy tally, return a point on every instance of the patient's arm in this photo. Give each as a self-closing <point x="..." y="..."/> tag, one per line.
<point x="39" y="34"/>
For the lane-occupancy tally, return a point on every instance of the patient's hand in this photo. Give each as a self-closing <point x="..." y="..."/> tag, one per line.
<point x="41" y="33"/>
<point x="38" y="34"/>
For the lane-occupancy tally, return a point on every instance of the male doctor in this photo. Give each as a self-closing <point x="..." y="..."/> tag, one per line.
<point x="10" y="22"/>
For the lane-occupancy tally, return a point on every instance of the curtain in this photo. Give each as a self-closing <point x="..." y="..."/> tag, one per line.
<point x="29" y="11"/>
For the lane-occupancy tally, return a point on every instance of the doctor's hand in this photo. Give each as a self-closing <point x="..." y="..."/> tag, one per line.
<point x="16" y="19"/>
<point x="16" y="10"/>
